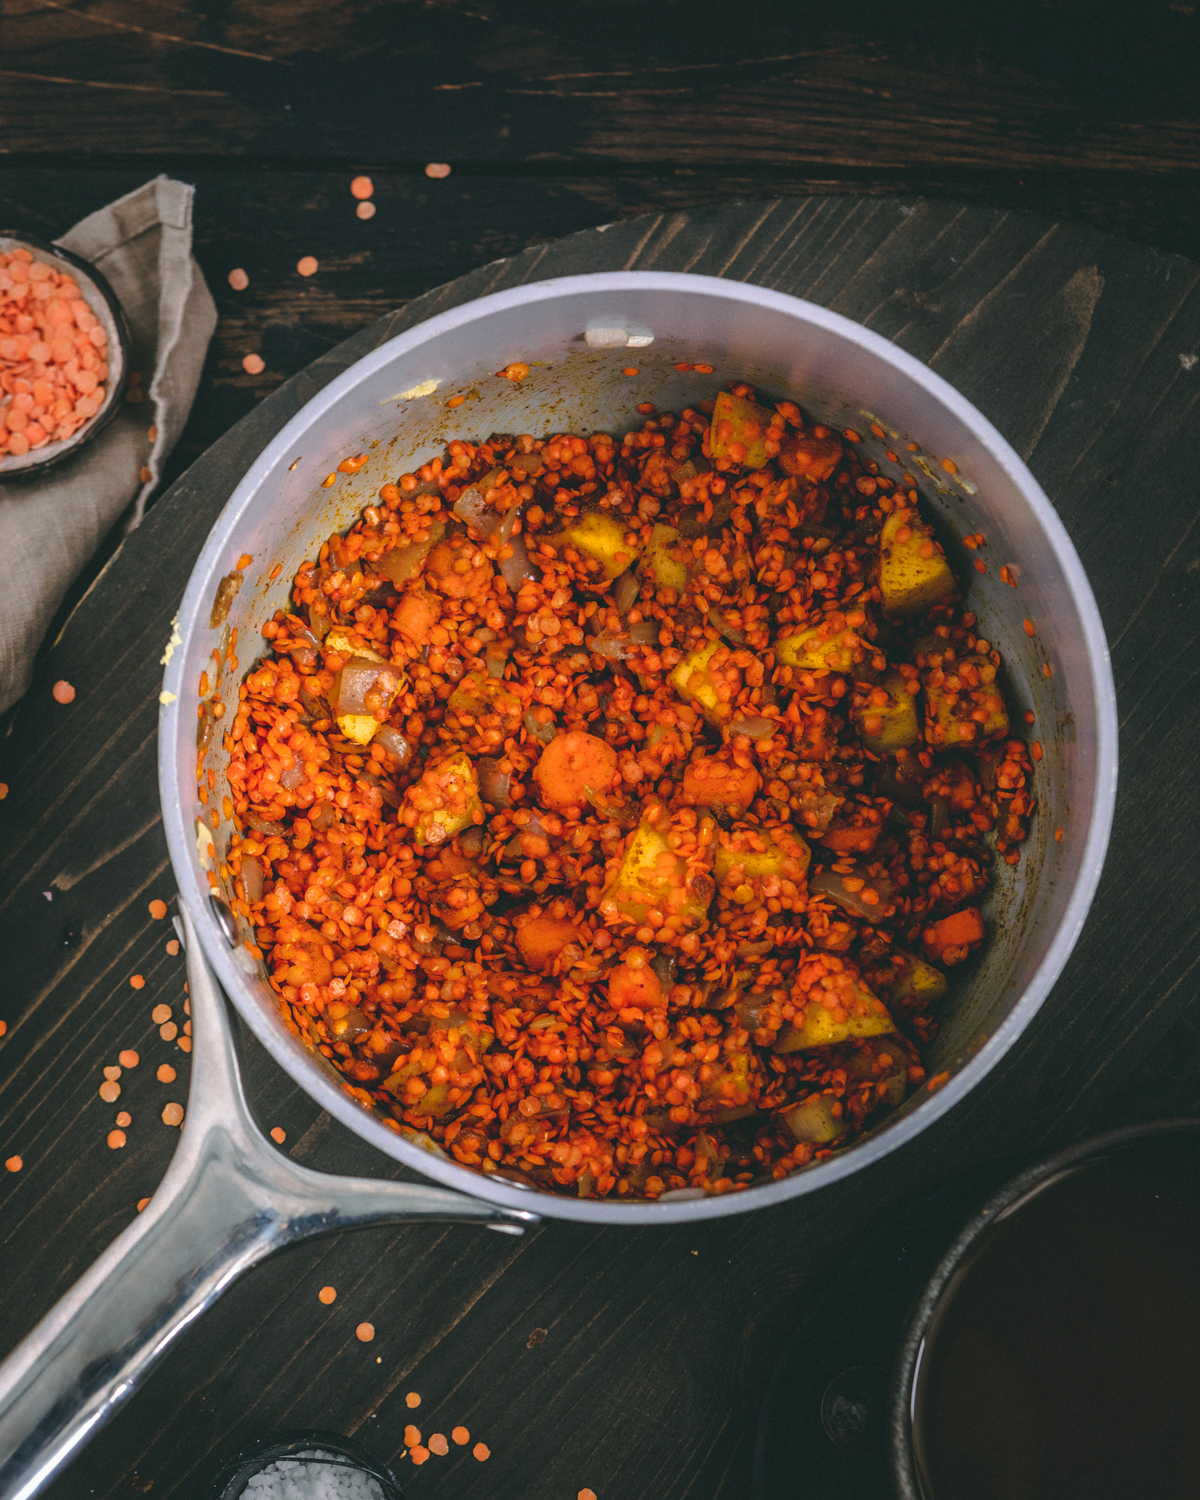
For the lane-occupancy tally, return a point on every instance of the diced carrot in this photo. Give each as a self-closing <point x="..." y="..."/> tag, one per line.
<point x="416" y="615"/>
<point x="571" y="762"/>
<point x="629" y="986"/>
<point x="960" y="930"/>
<point x="541" y="939"/>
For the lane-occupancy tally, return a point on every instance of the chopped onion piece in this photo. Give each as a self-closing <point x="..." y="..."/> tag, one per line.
<point x="754" y="728"/>
<point x="493" y="783"/>
<point x="362" y="679"/>
<point x="394" y="743"/>
<point x="506" y="526"/>
<point x="625" y="592"/>
<point x="252" y="879"/>
<point x="294" y="776"/>
<point x="264" y="825"/>
<point x="540" y="731"/>
<point x="402" y="563"/>
<point x="644" y="633"/>
<point x="472" y="508"/>
<point x="517" y="569"/>
<point x="830" y="883"/>
<point x="732" y="634"/>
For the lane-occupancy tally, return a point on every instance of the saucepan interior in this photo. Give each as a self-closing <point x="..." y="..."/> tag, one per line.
<point x="579" y="334"/>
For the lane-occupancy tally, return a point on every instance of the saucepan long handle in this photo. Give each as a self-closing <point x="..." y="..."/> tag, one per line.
<point x="228" y="1200"/>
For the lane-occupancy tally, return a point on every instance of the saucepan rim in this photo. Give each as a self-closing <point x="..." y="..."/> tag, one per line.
<point x="178" y="821"/>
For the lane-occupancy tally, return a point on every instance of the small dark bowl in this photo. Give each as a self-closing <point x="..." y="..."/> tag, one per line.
<point x="232" y="1477"/>
<point x="102" y="300"/>
<point x="900" y="1438"/>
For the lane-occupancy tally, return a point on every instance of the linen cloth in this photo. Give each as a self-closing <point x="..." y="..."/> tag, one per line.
<point x="49" y="528"/>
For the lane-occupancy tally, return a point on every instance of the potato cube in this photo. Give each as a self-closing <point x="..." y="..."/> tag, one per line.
<point x="659" y="561"/>
<point x="887" y="722"/>
<point x="601" y="540"/>
<point x="963" y="703"/>
<point x="747" y="854"/>
<point x="831" y="646"/>
<point x="738" y="432"/>
<point x="709" y="679"/>
<point x="916" y="981"/>
<point x="653" y="877"/>
<point x="443" y="802"/>
<point x="914" y="574"/>
<point x="840" y="1006"/>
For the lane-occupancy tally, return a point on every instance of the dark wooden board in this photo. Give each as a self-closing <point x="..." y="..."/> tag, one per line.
<point x="658" y="1343"/>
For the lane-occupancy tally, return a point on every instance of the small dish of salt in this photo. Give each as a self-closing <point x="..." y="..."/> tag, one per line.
<point x="305" y="1466"/>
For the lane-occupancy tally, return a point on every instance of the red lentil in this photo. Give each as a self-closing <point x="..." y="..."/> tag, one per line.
<point x="13" y="1164"/>
<point x="137" y="981"/>
<point x="143" y="1204"/>
<point x="116" y="1139"/>
<point x="124" y="1118"/>
<point x="412" y="1400"/>
<point x="172" y="1114"/>
<point x="53" y="355"/>
<point x="63" y="692"/>
<point x="439" y="1445"/>
<point x="279" y="1135"/>
<point x="307" y="265"/>
<point x="238" y="279"/>
<point x="166" y="1073"/>
<point x="451" y="911"/>
<point x="158" y="910"/>
<point x="160" y="1013"/>
<point x="461" y="1436"/>
<point x="129" y="1058"/>
<point x="482" y="1452"/>
<point x="327" y="1294"/>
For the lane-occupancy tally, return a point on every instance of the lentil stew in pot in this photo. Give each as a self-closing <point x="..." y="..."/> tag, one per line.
<point x="611" y="810"/>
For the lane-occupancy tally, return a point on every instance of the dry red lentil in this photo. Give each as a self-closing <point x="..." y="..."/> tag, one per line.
<point x="173" y="947"/>
<point x="445" y="905"/>
<point x="481" y="1451"/>
<point x="129" y="1058"/>
<point x="124" y="1118"/>
<point x="279" y="1135"/>
<point x="172" y="1114"/>
<point x="137" y="981"/>
<point x="13" y="1164"/>
<point x="461" y="1436"/>
<point x="143" y="1204"/>
<point x="327" y="1294"/>
<point x="412" y="1399"/>
<point x="365" y="1332"/>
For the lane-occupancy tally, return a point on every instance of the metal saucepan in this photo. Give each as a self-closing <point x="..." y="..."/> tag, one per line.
<point x="577" y="334"/>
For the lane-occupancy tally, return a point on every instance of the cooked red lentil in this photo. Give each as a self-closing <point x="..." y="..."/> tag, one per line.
<point x="611" y="809"/>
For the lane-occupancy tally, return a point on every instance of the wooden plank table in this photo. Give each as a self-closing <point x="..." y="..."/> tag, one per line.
<point x="657" y="1344"/>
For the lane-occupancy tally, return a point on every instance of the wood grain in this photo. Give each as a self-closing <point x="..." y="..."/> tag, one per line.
<point x="658" y="1343"/>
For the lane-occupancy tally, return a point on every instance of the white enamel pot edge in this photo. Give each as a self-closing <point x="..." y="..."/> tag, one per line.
<point x="683" y="305"/>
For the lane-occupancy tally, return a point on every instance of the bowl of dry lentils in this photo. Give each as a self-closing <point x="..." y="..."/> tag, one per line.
<point x="64" y="350"/>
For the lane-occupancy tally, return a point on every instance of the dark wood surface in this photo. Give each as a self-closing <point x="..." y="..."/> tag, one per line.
<point x="657" y="1343"/>
<point x="555" y="120"/>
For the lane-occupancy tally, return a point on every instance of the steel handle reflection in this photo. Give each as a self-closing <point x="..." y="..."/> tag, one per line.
<point x="228" y="1200"/>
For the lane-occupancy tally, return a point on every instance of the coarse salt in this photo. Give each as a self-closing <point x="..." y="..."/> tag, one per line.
<point x="316" y="1475"/>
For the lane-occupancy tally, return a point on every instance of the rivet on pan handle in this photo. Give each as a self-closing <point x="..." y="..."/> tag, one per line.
<point x="228" y="1199"/>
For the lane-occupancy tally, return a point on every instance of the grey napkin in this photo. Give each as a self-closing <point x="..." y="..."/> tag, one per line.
<point x="49" y="529"/>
